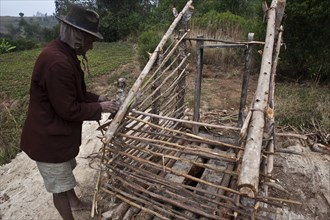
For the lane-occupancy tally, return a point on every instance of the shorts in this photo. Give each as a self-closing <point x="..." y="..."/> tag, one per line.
<point x="58" y="177"/>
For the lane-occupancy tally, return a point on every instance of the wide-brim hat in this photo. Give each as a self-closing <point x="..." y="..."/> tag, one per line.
<point x="83" y="19"/>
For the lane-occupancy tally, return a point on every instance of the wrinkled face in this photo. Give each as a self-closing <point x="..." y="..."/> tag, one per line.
<point x="87" y="41"/>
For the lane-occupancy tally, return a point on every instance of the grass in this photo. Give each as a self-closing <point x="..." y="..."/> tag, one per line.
<point x="16" y="69"/>
<point x="106" y="57"/>
<point x="303" y="106"/>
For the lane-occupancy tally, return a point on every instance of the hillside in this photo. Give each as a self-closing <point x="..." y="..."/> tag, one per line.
<point x="6" y="22"/>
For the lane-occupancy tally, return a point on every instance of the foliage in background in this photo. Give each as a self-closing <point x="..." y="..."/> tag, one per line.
<point x="147" y="43"/>
<point x="5" y="46"/>
<point x="225" y="26"/>
<point x="306" y="37"/>
<point x="16" y="70"/>
<point x="61" y="6"/>
<point x="121" y="18"/>
<point x="31" y="32"/>
<point x="22" y="43"/>
<point x="307" y="49"/>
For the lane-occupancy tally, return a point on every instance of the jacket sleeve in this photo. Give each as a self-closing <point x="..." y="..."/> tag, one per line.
<point x="63" y="90"/>
<point x="91" y="97"/>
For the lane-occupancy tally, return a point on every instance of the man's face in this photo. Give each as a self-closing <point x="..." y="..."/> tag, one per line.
<point x="87" y="43"/>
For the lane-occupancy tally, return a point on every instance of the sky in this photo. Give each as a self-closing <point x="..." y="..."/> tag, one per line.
<point x="28" y="7"/>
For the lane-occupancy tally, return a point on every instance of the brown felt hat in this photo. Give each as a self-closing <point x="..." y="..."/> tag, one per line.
<point x="83" y="19"/>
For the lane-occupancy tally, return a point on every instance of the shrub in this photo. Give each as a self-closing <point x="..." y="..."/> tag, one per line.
<point x="23" y="44"/>
<point x="307" y="51"/>
<point x="147" y="42"/>
<point x="5" y="46"/>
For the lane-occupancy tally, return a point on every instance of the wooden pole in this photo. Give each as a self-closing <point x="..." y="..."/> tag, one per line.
<point x="181" y="90"/>
<point x="198" y="83"/>
<point x="155" y="85"/>
<point x="135" y="88"/>
<point x="245" y="82"/>
<point x="279" y="16"/>
<point x="187" y="121"/>
<point x="271" y="147"/>
<point x="248" y="180"/>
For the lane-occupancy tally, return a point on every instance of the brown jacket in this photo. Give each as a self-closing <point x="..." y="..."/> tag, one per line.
<point x="59" y="103"/>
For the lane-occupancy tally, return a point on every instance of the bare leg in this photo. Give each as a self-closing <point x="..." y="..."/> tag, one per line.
<point x="75" y="203"/>
<point x="62" y="205"/>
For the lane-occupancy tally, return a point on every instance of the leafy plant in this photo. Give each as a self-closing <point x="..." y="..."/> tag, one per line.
<point x="307" y="50"/>
<point x="5" y="46"/>
<point x="148" y="42"/>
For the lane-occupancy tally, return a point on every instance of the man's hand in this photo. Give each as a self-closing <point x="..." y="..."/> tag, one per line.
<point x="109" y="106"/>
<point x="103" y="98"/>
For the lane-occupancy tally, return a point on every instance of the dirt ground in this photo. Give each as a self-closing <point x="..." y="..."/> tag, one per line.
<point x="22" y="193"/>
<point x="304" y="174"/>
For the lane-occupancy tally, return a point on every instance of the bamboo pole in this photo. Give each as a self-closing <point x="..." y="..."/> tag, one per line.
<point x="248" y="180"/>
<point x="136" y="86"/>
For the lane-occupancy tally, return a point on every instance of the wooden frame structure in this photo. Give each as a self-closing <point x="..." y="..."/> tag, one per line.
<point x="155" y="168"/>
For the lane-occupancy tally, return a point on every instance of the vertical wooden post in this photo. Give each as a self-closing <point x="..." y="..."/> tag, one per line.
<point x="155" y="98"/>
<point x="182" y="80"/>
<point x="245" y="81"/>
<point x="198" y="82"/>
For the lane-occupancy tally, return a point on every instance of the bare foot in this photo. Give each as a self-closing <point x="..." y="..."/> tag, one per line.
<point x="82" y="205"/>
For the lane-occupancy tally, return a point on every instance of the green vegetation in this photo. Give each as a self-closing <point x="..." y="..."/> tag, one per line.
<point x="16" y="70"/>
<point x="306" y="37"/>
<point x="106" y="57"/>
<point x="5" y="46"/>
<point x="147" y="43"/>
<point x="305" y="57"/>
<point x="27" y="33"/>
<point x="302" y="106"/>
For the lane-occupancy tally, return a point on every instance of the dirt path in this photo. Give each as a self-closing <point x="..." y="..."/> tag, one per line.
<point x="22" y="193"/>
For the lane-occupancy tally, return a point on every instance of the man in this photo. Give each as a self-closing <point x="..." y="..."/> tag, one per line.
<point x="59" y="103"/>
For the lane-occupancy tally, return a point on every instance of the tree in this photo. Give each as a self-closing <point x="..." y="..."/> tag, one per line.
<point x="307" y="51"/>
<point x="21" y="14"/>
<point x="120" y="18"/>
<point x="61" y="6"/>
